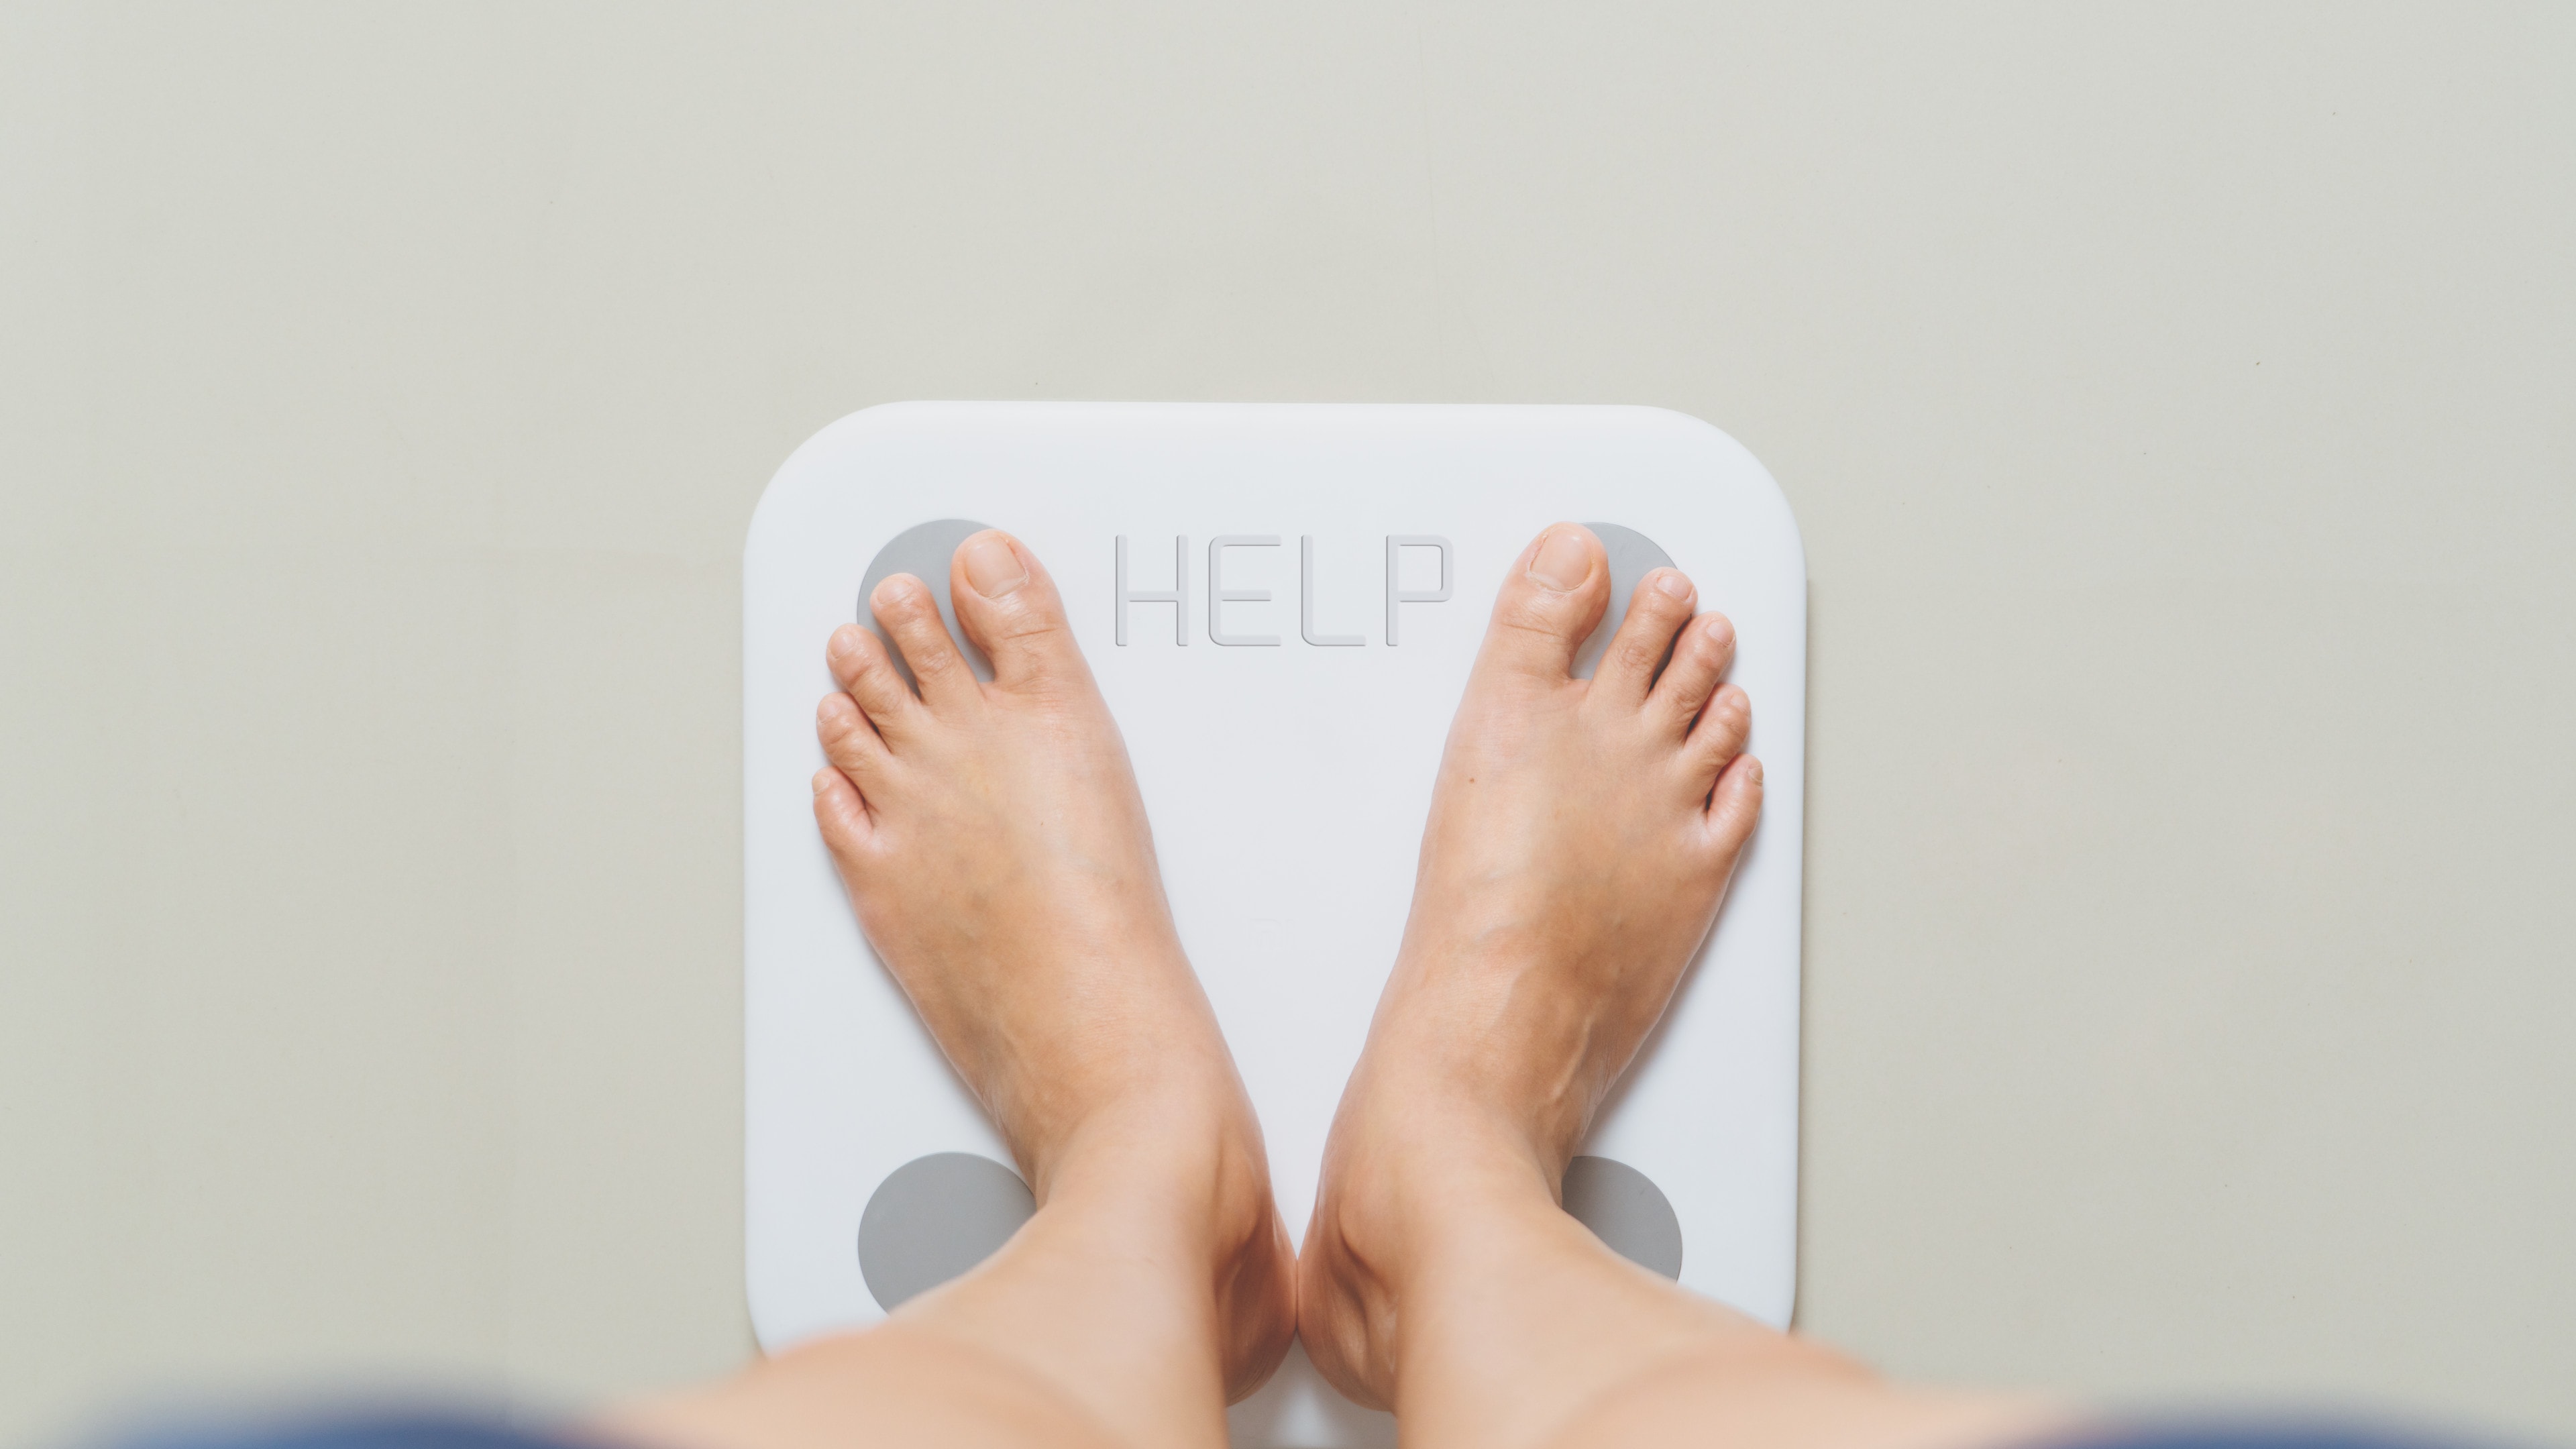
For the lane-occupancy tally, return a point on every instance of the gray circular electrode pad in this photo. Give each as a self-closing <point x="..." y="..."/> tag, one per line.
<point x="1632" y="557"/>
<point x="935" y="1217"/>
<point x="1625" y="1209"/>
<point x="924" y="552"/>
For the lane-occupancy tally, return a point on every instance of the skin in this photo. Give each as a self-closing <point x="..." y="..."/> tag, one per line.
<point x="1581" y="837"/>
<point x="994" y="845"/>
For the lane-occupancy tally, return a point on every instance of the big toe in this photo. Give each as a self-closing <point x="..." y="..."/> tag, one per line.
<point x="1010" y="608"/>
<point x="1549" y="604"/>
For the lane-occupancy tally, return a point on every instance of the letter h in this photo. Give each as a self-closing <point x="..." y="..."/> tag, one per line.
<point x="1178" y="595"/>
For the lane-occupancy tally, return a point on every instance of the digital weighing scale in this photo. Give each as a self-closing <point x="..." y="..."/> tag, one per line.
<point x="1281" y="604"/>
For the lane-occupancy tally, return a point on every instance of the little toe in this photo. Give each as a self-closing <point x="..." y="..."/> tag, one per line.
<point x="1010" y="608"/>
<point x="841" y="811"/>
<point x="1719" y="737"/>
<point x="859" y="661"/>
<point x="903" y="604"/>
<point x="1700" y="657"/>
<point x="1549" y="604"/>
<point x="1657" y="611"/>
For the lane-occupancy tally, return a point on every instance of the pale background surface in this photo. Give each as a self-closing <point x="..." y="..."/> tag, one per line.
<point x="2176" y="405"/>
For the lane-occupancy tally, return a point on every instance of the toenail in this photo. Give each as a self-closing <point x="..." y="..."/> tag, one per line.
<point x="1721" y="631"/>
<point x="1672" y="583"/>
<point x="993" y="567"/>
<point x="1752" y="771"/>
<point x="845" y="641"/>
<point x="1563" y="563"/>
<point x="822" y="781"/>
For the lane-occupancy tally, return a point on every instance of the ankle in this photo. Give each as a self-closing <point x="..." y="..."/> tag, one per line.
<point x="1164" y="1138"/>
<point x="1422" y="1185"/>
<point x="1180" y="1177"/>
<point x="1419" y="1166"/>
<point x="1114" y="1109"/>
<point x="1183" y="1160"/>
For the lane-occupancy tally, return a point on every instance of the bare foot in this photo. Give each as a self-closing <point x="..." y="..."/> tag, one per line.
<point x="1581" y="835"/>
<point x="996" y="849"/>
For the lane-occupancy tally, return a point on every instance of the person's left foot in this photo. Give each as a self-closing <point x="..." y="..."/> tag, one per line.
<point x="996" y="849"/>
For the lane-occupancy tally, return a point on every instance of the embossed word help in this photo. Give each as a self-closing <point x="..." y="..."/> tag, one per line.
<point x="1178" y="595"/>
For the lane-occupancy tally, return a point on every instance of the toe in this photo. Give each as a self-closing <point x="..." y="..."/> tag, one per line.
<point x="850" y="743"/>
<point x="1549" y="603"/>
<point x="1718" y="738"/>
<point x="840" y="811"/>
<point x="903" y="604"/>
<point x="1657" y="610"/>
<point x="1010" y="608"/>
<point x="860" y="662"/>
<point x="1700" y="657"/>
<point x="1735" y="805"/>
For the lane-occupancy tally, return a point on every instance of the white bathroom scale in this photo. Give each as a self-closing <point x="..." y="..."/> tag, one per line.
<point x="1281" y="604"/>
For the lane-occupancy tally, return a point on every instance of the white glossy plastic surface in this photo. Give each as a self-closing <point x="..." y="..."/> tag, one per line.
<point x="1287" y="785"/>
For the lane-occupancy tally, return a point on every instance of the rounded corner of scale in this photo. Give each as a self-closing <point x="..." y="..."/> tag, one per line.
<point x="771" y="515"/>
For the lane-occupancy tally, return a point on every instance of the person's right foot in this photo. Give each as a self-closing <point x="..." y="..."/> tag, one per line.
<point x="1581" y="835"/>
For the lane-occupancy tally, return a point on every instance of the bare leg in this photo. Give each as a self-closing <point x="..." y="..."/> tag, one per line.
<point x="992" y="839"/>
<point x="1581" y="835"/>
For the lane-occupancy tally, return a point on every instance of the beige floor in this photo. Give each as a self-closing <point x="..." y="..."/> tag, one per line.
<point x="2176" y="403"/>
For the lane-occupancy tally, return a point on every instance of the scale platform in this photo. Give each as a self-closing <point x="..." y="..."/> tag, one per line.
<point x="1281" y="603"/>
